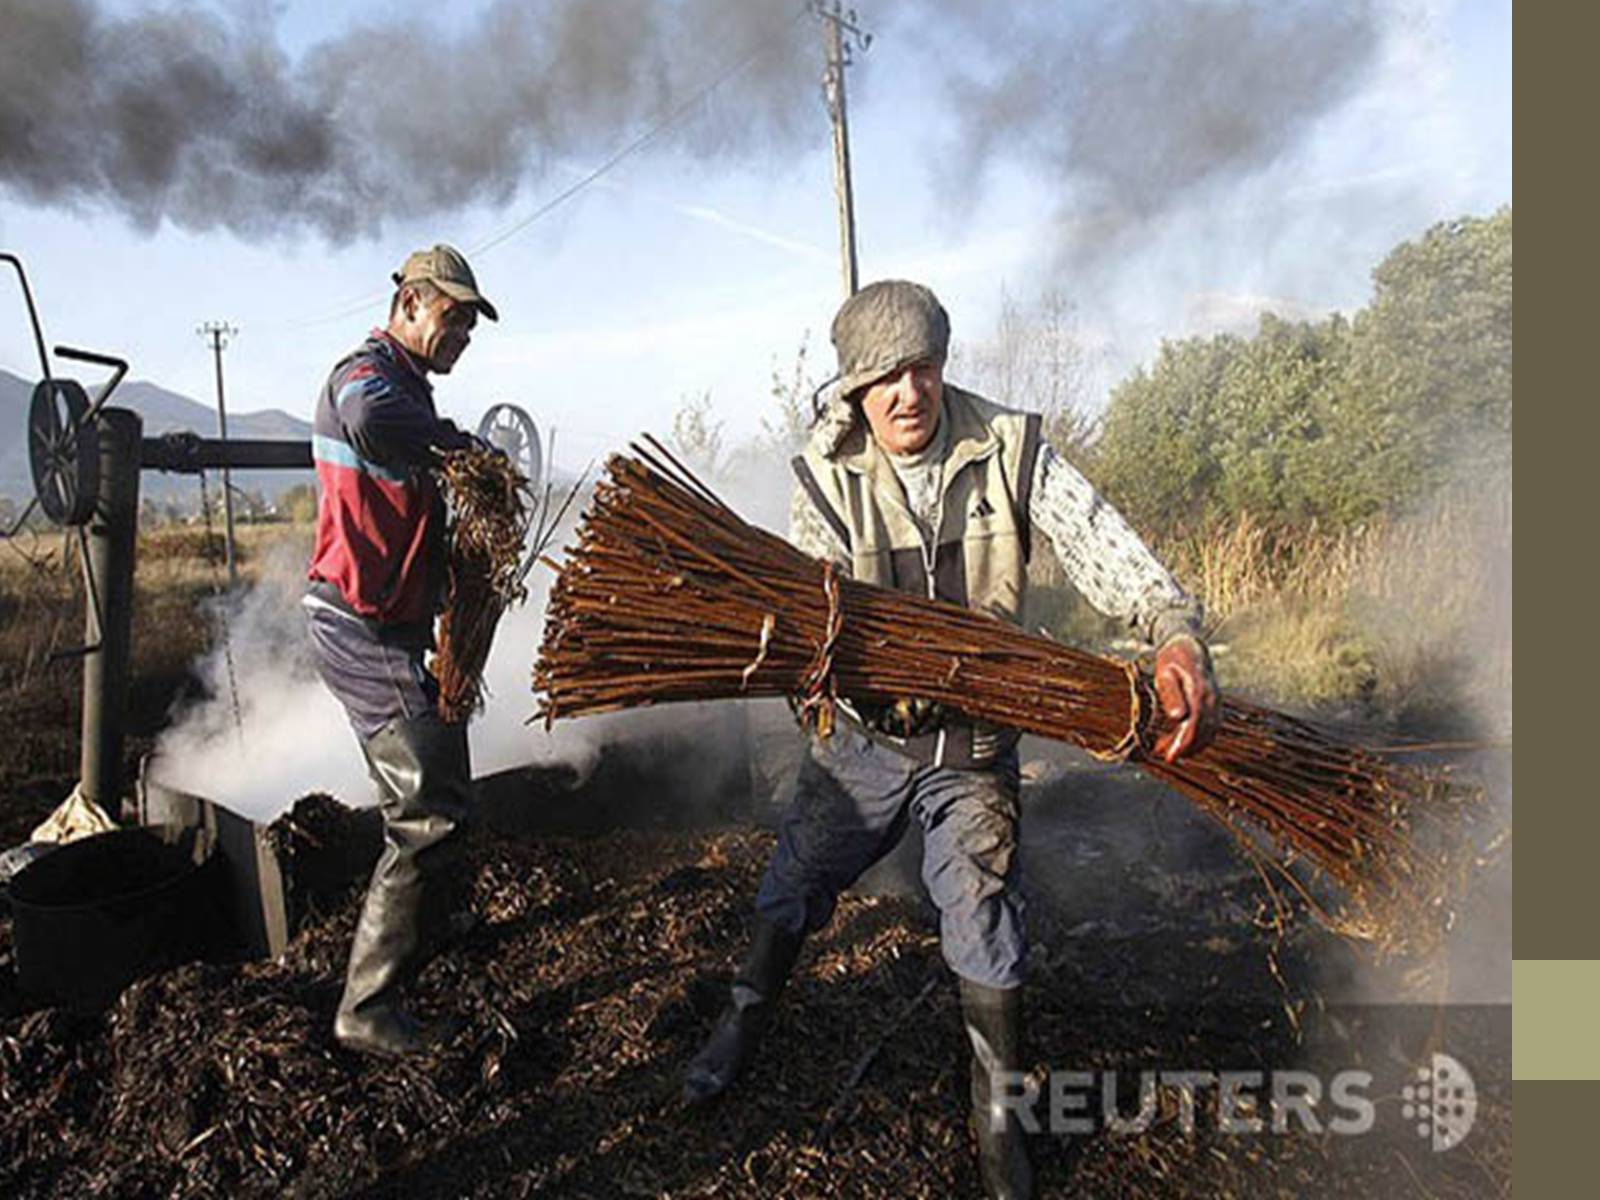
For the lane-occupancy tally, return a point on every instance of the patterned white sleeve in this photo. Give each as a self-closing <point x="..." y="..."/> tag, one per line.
<point x="809" y="531"/>
<point x="1103" y="557"/>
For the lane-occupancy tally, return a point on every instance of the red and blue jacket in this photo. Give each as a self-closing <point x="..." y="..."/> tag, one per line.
<point x="380" y="518"/>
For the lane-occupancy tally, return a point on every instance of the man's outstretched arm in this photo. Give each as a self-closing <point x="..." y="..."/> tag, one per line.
<point x="1115" y="571"/>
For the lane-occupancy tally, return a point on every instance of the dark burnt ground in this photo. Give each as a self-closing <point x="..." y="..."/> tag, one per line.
<point x="599" y="967"/>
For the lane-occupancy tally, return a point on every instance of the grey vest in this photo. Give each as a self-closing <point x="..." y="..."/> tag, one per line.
<point x="979" y="555"/>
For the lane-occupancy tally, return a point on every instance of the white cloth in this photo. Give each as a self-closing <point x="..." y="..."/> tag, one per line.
<point x="77" y="817"/>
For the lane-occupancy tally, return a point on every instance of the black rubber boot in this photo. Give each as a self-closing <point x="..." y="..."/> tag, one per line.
<point x="738" y="1030"/>
<point x="993" y="1019"/>
<point x="425" y="786"/>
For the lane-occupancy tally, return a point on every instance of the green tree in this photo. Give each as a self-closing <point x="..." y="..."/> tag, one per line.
<point x="1156" y="457"/>
<point x="1435" y="347"/>
<point x="299" y="503"/>
<point x="1331" y="421"/>
<point x="1282" y="452"/>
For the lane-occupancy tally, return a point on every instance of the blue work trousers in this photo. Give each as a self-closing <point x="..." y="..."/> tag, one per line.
<point x="852" y="802"/>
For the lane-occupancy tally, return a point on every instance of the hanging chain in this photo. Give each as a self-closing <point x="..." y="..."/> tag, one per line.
<point x="219" y="591"/>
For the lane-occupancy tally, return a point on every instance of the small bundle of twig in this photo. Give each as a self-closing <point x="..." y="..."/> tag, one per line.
<point x="490" y="506"/>
<point x="670" y="596"/>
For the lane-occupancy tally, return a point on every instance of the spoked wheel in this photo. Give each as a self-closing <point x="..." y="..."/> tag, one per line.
<point x="509" y="428"/>
<point x="63" y="451"/>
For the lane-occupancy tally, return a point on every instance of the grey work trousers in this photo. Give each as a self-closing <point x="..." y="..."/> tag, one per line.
<point x="852" y="802"/>
<point x="376" y="673"/>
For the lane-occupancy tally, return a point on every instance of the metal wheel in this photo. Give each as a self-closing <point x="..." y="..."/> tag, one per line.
<point x="511" y="429"/>
<point x="63" y="451"/>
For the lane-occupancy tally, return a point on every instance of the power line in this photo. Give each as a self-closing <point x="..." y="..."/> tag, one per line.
<point x="638" y="143"/>
<point x="567" y="193"/>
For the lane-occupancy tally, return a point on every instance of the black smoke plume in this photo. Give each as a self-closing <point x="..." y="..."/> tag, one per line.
<point x="177" y="114"/>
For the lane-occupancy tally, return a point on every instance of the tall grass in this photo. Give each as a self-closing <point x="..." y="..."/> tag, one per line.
<point x="1407" y="619"/>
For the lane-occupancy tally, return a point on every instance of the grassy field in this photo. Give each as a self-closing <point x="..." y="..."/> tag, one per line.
<point x="42" y="605"/>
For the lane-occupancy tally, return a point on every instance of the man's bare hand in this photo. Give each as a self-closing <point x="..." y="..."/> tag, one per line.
<point x="1188" y="694"/>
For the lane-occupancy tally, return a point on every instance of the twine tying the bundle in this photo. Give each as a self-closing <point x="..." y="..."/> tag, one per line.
<point x="818" y="692"/>
<point x="1130" y="742"/>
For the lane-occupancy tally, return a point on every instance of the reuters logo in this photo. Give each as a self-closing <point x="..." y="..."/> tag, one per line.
<point x="1443" y="1102"/>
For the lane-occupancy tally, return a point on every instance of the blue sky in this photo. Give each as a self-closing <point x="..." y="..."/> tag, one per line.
<point x="675" y="275"/>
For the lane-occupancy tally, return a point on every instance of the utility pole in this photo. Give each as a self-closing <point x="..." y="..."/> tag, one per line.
<point x="836" y="23"/>
<point x="219" y="332"/>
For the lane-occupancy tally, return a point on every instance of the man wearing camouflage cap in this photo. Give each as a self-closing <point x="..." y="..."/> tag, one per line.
<point x="377" y="578"/>
<point x="911" y="483"/>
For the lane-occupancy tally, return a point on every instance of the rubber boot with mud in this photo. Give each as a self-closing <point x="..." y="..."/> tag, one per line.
<point x="424" y="782"/>
<point x="993" y="1020"/>
<point x="738" y="1030"/>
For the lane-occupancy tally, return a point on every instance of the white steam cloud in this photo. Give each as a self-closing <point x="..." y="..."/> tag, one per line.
<point x="293" y="737"/>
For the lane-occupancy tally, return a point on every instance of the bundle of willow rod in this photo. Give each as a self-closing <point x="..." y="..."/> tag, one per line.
<point x="669" y="595"/>
<point x="489" y="502"/>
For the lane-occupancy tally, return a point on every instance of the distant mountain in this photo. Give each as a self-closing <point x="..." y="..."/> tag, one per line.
<point x="163" y="412"/>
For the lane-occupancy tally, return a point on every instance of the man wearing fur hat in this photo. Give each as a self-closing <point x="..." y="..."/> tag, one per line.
<point x="912" y="483"/>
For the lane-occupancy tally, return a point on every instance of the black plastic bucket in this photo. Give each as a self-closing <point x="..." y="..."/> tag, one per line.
<point x="98" y="913"/>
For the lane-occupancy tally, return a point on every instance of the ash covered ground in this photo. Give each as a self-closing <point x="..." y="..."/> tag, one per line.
<point x="614" y="910"/>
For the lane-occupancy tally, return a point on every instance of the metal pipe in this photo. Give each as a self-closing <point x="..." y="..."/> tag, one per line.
<point x="33" y="314"/>
<point x="112" y="535"/>
<point x="119" y="368"/>
<point x="188" y="452"/>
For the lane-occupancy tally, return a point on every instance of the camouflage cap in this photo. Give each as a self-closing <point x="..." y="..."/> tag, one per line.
<point x="886" y="326"/>
<point x="446" y="268"/>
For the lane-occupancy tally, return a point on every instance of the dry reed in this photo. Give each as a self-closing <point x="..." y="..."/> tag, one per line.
<point x="490" y="506"/>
